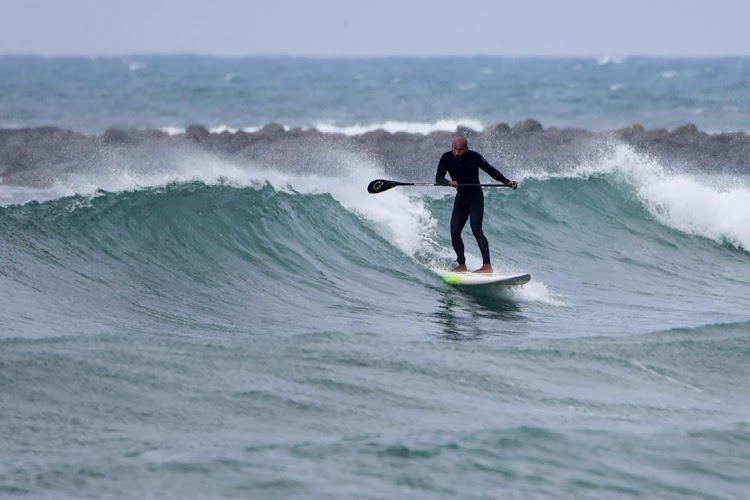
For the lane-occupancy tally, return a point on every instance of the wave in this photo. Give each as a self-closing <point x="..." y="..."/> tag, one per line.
<point x="709" y="206"/>
<point x="714" y="206"/>
<point x="394" y="126"/>
<point x="213" y="235"/>
<point x="165" y="253"/>
<point x="219" y="129"/>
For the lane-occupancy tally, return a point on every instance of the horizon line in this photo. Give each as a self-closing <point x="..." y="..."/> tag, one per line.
<point x="268" y="55"/>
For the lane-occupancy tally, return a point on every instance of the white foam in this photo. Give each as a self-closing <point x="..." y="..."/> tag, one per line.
<point x="226" y="128"/>
<point x="711" y="206"/>
<point x="604" y="60"/>
<point x="172" y="130"/>
<point x="394" y="126"/>
<point x="404" y="221"/>
<point x="121" y="175"/>
<point x="655" y="373"/>
<point x="391" y="126"/>
<point x="18" y="195"/>
<point x="536" y="291"/>
<point x="701" y="207"/>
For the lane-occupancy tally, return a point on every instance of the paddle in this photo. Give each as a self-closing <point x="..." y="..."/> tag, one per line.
<point x="380" y="185"/>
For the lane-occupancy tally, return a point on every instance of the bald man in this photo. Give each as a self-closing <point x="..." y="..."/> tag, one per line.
<point x="463" y="166"/>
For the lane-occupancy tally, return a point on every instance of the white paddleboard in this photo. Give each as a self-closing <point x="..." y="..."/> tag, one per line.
<point x="484" y="279"/>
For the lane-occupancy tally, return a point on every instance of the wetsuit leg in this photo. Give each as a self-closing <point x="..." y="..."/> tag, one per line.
<point x="476" y="210"/>
<point x="458" y="221"/>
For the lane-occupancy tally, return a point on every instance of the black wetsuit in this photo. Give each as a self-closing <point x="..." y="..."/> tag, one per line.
<point x="469" y="202"/>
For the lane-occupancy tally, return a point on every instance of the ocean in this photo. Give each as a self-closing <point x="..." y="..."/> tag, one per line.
<point x="181" y="322"/>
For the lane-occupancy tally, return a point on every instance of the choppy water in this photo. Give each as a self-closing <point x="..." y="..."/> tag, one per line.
<point x="355" y="95"/>
<point x="235" y="330"/>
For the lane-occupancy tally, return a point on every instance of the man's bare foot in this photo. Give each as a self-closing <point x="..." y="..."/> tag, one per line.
<point x="487" y="269"/>
<point x="461" y="268"/>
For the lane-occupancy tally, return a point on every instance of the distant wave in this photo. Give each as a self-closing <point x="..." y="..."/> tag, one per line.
<point x="604" y="60"/>
<point x="327" y="127"/>
<point x="393" y="127"/>
<point x="173" y="130"/>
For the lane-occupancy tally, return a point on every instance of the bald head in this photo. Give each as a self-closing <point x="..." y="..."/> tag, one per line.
<point x="460" y="146"/>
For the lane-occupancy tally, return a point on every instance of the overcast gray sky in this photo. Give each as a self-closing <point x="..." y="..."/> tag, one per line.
<point x="691" y="28"/>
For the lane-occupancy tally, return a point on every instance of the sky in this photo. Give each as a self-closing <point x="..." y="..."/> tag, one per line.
<point x="376" y="28"/>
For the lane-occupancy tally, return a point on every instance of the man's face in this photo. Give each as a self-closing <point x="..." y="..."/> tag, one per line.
<point x="459" y="148"/>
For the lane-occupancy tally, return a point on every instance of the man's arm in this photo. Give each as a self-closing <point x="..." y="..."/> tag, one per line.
<point x="492" y="171"/>
<point x="441" y="171"/>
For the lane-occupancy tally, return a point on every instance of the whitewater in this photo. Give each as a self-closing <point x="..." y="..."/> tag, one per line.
<point x="179" y="321"/>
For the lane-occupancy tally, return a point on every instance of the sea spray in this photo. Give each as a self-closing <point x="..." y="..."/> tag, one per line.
<point x="715" y="206"/>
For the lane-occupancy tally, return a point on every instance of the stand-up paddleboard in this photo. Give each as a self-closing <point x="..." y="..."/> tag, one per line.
<point x="484" y="279"/>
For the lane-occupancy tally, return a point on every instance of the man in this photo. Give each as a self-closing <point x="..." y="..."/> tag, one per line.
<point x="463" y="166"/>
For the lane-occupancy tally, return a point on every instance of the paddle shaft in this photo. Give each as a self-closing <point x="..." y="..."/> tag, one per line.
<point x="446" y="185"/>
<point x="380" y="185"/>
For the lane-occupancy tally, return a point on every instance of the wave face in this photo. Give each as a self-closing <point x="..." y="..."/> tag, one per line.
<point x="626" y="227"/>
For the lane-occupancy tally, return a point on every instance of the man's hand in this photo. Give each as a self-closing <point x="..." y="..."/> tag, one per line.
<point x="453" y="184"/>
<point x="512" y="185"/>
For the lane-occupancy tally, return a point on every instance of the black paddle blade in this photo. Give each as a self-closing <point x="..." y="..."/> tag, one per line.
<point x="380" y="185"/>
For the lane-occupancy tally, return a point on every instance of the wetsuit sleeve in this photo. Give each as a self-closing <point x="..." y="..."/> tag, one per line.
<point x="492" y="171"/>
<point x="441" y="171"/>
